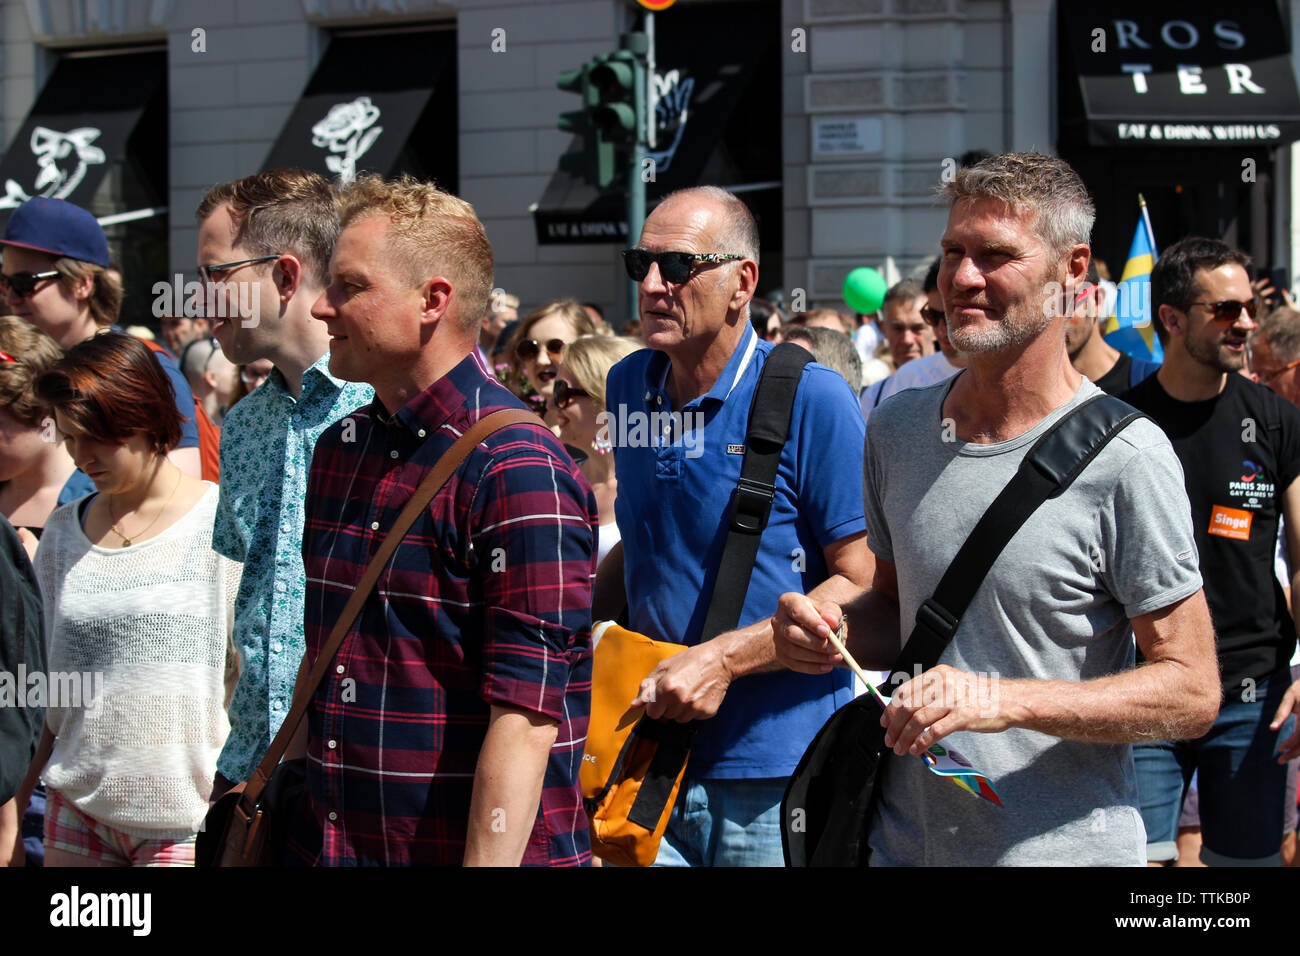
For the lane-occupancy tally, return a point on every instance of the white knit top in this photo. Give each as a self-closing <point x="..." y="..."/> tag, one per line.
<point x="154" y="620"/>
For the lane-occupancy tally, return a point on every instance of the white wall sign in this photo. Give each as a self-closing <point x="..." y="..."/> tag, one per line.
<point x="835" y="136"/>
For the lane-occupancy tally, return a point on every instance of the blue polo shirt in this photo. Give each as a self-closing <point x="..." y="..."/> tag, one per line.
<point x="676" y="479"/>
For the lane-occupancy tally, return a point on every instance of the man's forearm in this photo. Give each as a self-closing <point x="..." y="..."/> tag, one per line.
<point x="1158" y="701"/>
<point x="507" y="786"/>
<point x="750" y="650"/>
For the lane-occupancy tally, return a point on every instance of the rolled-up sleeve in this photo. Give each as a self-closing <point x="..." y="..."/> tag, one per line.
<point x="534" y="544"/>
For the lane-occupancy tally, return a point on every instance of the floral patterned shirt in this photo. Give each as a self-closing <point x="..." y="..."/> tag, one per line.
<point x="266" y="447"/>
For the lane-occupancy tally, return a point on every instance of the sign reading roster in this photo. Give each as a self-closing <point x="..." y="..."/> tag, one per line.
<point x="1172" y="73"/>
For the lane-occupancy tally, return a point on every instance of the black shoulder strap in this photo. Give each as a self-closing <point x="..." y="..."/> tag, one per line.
<point x="769" y="424"/>
<point x="1049" y="468"/>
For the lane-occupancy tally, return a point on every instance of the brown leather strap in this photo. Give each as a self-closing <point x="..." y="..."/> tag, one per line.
<point x="442" y="471"/>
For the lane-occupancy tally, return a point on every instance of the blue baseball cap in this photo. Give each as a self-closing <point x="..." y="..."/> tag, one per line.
<point x="59" y="228"/>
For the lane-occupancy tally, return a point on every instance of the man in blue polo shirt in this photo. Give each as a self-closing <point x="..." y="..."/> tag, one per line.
<point x="677" y="415"/>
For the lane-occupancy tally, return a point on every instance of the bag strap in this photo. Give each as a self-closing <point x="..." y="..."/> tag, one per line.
<point x="769" y="426"/>
<point x="1049" y="468"/>
<point x="428" y="488"/>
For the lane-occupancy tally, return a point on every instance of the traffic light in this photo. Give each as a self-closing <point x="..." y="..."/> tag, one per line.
<point x="594" y="161"/>
<point x="615" y="114"/>
<point x="609" y="119"/>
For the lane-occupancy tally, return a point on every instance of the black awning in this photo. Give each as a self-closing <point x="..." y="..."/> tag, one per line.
<point x="363" y="101"/>
<point x="80" y="126"/>
<point x="706" y="57"/>
<point x="1170" y="73"/>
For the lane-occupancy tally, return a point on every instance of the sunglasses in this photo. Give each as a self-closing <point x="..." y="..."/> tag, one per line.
<point x="565" y="394"/>
<point x="1229" y="309"/>
<point x="212" y="273"/>
<point x="23" y="284"/>
<point x="675" y="267"/>
<point x="931" y="316"/>
<point x="531" y="348"/>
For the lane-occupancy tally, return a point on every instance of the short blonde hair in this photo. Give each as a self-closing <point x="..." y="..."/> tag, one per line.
<point x="431" y="232"/>
<point x="591" y="357"/>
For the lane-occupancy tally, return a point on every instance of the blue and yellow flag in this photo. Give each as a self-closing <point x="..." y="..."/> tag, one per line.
<point x="1129" y="327"/>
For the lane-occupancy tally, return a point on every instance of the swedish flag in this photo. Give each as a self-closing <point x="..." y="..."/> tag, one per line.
<point x="1129" y="327"/>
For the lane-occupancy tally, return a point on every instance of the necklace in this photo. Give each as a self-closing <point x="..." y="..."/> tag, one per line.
<point x="126" y="542"/>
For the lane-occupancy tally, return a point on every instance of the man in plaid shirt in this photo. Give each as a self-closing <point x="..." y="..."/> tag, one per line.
<point x="451" y="725"/>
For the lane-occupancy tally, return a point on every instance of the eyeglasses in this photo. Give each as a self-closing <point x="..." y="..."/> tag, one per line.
<point x="207" y="273"/>
<point x="1273" y="376"/>
<point x="675" y="267"/>
<point x="23" y="284"/>
<point x="565" y="394"/>
<point x="1229" y="309"/>
<point x="531" y="348"/>
<point x="932" y="316"/>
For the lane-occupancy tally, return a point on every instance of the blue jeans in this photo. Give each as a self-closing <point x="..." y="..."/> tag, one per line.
<point x="1240" y="784"/>
<point x="725" y="823"/>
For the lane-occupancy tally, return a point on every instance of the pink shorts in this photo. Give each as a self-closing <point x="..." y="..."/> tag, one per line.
<point x="70" y="830"/>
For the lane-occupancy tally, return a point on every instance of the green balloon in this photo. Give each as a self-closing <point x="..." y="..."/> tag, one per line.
<point x="864" y="290"/>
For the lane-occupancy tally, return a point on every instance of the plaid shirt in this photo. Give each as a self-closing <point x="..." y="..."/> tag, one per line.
<point x="486" y="601"/>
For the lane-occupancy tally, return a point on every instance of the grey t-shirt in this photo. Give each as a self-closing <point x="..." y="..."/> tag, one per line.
<point x="1056" y="605"/>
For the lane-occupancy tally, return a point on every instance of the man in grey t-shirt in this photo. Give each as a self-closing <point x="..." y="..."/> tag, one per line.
<point x="1038" y="687"/>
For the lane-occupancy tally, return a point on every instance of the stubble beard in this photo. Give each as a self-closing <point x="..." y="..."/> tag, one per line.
<point x="1214" y="356"/>
<point x="1014" y="330"/>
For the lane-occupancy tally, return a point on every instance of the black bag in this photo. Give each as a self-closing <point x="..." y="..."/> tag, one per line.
<point x="828" y="804"/>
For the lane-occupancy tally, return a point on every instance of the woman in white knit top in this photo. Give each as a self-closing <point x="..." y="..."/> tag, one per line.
<point x="137" y="612"/>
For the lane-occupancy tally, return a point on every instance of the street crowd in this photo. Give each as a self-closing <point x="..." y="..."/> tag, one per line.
<point x="185" y="521"/>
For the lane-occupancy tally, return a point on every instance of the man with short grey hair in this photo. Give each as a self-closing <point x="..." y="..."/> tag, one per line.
<point x="831" y="348"/>
<point x="1275" y="353"/>
<point x="1037" y="686"/>
<point x="696" y="267"/>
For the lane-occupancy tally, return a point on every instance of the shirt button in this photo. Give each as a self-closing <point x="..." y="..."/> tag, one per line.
<point x="421" y="433"/>
<point x="279" y="587"/>
<point x="393" y="453"/>
<point x="374" y="526"/>
<point x="284" y="528"/>
<point x="275" y="648"/>
<point x="333" y="815"/>
<point x="276" y="705"/>
<point x="333" y="744"/>
<point x="339" y="668"/>
<point x="659" y="399"/>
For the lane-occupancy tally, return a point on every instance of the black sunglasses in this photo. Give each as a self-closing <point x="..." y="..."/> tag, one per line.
<point x="931" y="316"/>
<point x="1229" y="309"/>
<point x="23" y="284"/>
<point x="531" y="348"/>
<point x="565" y="394"/>
<point x="675" y="267"/>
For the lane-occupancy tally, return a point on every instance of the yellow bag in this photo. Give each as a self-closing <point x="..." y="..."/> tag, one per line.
<point x="633" y="766"/>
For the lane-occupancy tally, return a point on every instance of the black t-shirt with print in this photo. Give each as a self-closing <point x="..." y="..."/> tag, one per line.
<point x="1240" y="451"/>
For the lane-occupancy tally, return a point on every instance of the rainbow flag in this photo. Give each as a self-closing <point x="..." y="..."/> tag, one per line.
<point x="1129" y="327"/>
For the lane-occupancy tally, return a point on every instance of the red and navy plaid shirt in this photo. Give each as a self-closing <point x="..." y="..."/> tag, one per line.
<point x="487" y="600"/>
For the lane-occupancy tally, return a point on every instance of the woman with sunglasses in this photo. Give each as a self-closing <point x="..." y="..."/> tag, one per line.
<point x="579" y="399"/>
<point x="138" y="609"/>
<point x="538" y="346"/>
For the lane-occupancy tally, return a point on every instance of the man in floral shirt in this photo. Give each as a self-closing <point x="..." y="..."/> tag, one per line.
<point x="274" y="231"/>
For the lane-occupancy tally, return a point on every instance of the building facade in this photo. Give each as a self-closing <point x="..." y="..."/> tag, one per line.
<point x="835" y="119"/>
